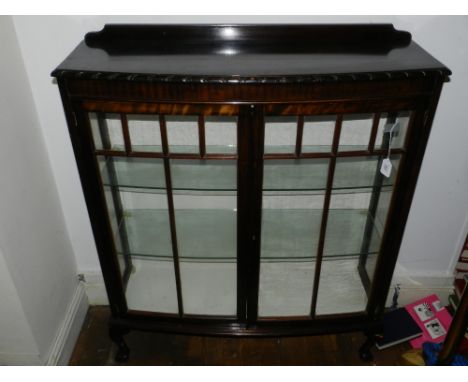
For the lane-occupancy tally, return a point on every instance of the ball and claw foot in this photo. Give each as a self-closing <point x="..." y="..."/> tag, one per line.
<point x="365" y="350"/>
<point x="365" y="354"/>
<point x="123" y="352"/>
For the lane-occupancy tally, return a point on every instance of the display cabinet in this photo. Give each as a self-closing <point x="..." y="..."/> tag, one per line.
<point x="248" y="180"/>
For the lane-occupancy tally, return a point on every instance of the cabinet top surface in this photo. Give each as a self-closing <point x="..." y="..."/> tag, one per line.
<point x="249" y="54"/>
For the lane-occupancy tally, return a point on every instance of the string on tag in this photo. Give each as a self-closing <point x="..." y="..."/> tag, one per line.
<point x="386" y="168"/>
<point x="391" y="138"/>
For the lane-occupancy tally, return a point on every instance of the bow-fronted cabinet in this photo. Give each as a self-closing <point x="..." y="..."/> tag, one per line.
<point x="248" y="180"/>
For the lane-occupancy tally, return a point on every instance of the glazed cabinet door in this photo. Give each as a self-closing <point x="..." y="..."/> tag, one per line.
<point x="243" y="213"/>
<point x="169" y="180"/>
<point x="324" y="207"/>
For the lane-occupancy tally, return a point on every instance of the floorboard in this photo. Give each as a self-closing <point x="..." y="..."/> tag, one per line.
<point x="94" y="348"/>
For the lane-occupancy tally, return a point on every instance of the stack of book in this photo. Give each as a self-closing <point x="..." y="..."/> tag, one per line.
<point x="459" y="287"/>
<point x="425" y="320"/>
<point x="398" y="327"/>
<point x="433" y="319"/>
<point x="461" y="277"/>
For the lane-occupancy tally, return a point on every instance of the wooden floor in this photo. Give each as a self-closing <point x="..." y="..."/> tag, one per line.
<point x="95" y="348"/>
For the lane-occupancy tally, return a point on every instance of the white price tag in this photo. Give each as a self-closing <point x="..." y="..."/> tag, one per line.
<point x="386" y="168"/>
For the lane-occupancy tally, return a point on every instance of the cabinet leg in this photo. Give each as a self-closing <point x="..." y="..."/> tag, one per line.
<point x="116" y="334"/>
<point x="365" y="350"/>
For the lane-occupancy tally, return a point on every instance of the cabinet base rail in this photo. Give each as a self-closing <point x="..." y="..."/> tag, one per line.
<point x="120" y="326"/>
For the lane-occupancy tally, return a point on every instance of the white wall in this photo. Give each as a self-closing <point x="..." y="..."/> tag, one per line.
<point x="17" y="344"/>
<point x="439" y="215"/>
<point x="37" y="256"/>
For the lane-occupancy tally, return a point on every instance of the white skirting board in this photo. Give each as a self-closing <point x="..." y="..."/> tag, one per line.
<point x="411" y="288"/>
<point x="95" y="289"/>
<point x="67" y="334"/>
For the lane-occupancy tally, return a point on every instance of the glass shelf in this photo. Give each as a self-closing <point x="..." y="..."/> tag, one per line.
<point x="285" y="234"/>
<point x="144" y="148"/>
<point x="291" y="234"/>
<point x="221" y="175"/>
<point x="144" y="225"/>
<point x="192" y="174"/>
<point x="311" y="174"/>
<point x="308" y="149"/>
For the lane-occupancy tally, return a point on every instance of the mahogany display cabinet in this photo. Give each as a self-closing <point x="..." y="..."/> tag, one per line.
<point x="248" y="180"/>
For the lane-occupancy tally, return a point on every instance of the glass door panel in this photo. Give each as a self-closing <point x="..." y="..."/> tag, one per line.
<point x="292" y="205"/>
<point x="174" y="220"/>
<point x="324" y="209"/>
<point x="205" y="205"/>
<point x="355" y="226"/>
<point x="142" y="207"/>
<point x="323" y="218"/>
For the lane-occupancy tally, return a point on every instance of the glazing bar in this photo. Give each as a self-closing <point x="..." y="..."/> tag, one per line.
<point x="326" y="205"/>
<point x="300" y="129"/>
<point x="201" y="135"/>
<point x="170" y="203"/>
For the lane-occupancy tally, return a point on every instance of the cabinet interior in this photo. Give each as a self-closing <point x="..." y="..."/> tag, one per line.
<point x="171" y="189"/>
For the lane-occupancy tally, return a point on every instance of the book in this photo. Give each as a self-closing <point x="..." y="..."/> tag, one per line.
<point x="432" y="317"/>
<point x="399" y="327"/>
